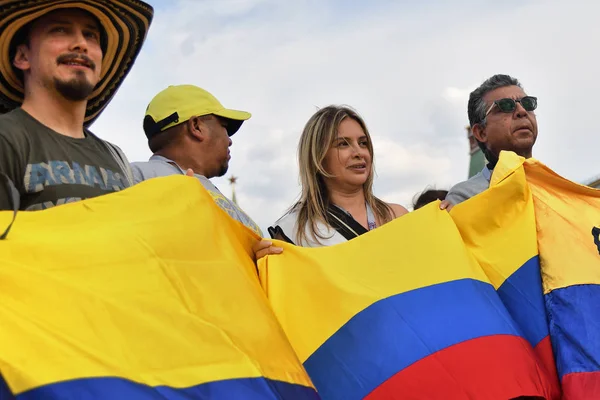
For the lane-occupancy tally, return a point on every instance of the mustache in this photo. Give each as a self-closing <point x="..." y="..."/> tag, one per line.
<point x="65" y="58"/>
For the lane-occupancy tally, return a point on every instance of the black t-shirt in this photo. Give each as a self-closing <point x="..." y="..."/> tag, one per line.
<point x="50" y="169"/>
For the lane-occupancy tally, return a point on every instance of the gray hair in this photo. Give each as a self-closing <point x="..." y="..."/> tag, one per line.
<point x="477" y="107"/>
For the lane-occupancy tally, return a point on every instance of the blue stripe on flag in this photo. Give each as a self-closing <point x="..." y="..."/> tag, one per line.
<point x="116" y="388"/>
<point x="398" y="331"/>
<point x="574" y="314"/>
<point x="523" y="296"/>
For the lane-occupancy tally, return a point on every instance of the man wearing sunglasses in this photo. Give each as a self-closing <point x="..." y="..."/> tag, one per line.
<point x="502" y="117"/>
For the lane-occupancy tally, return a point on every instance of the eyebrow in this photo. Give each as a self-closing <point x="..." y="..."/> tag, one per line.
<point x="348" y="138"/>
<point x="60" y="21"/>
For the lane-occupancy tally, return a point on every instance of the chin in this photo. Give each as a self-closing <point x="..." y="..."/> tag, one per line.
<point x="524" y="146"/>
<point x="357" y="182"/>
<point x="223" y="171"/>
<point x="77" y="89"/>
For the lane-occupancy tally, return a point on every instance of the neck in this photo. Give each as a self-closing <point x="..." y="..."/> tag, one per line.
<point x="522" y="153"/>
<point x="526" y="154"/>
<point x="57" y="113"/>
<point x="496" y="157"/>
<point x="348" y="199"/>
<point x="184" y="160"/>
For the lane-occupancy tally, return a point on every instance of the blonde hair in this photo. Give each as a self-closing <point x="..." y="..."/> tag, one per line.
<point x="317" y="137"/>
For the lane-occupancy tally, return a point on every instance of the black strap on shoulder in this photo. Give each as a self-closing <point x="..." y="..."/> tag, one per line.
<point x="596" y="235"/>
<point x="347" y="226"/>
<point x="277" y="233"/>
<point x="14" y="196"/>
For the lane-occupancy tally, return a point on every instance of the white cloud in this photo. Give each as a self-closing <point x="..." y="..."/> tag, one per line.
<point x="406" y="67"/>
<point x="457" y="95"/>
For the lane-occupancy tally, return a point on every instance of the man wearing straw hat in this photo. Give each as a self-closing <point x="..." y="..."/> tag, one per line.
<point x="61" y="62"/>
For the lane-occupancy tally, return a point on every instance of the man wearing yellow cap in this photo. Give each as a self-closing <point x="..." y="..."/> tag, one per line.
<point x="189" y="131"/>
<point x="61" y="61"/>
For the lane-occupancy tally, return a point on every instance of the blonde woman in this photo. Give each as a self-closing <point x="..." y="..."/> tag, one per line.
<point x="336" y="171"/>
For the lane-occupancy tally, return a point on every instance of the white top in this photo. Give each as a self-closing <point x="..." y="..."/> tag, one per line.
<point x="288" y="224"/>
<point x="331" y="236"/>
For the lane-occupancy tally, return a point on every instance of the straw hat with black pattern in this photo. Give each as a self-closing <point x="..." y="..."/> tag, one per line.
<point x="125" y="22"/>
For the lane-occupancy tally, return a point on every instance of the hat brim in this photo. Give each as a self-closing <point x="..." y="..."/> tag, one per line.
<point x="235" y="119"/>
<point x="126" y="23"/>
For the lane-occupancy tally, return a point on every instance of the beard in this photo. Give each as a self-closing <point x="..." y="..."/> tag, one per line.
<point x="76" y="89"/>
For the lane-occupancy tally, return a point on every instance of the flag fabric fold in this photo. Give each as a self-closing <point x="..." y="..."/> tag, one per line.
<point x="134" y="295"/>
<point x="568" y="221"/>
<point x="403" y="312"/>
<point x="498" y="227"/>
<point x="153" y="293"/>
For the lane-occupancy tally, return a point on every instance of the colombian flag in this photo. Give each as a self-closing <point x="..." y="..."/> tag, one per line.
<point x="568" y="225"/>
<point x="402" y="312"/>
<point x="498" y="227"/>
<point x="149" y="293"/>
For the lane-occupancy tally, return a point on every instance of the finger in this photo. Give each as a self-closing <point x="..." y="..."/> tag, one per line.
<point x="269" y="250"/>
<point x="275" y="250"/>
<point x="444" y="204"/>
<point x="189" y="172"/>
<point x="263" y="244"/>
<point x="260" y="254"/>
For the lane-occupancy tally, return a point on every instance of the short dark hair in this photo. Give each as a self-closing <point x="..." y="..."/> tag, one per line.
<point x="163" y="139"/>
<point x="477" y="107"/>
<point x="428" y="196"/>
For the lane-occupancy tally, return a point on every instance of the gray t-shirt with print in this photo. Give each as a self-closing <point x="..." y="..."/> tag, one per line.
<point x="50" y="169"/>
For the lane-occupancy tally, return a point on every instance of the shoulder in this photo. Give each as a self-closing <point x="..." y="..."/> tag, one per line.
<point x="14" y="133"/>
<point x="14" y="116"/>
<point x="117" y="154"/>
<point x="288" y="220"/>
<point x="144" y="170"/>
<point x="288" y="225"/>
<point x="467" y="189"/>
<point x="398" y="209"/>
<point x="12" y="126"/>
<point x="285" y="227"/>
<point x="111" y="145"/>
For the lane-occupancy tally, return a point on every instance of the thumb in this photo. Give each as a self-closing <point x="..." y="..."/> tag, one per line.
<point x="189" y="172"/>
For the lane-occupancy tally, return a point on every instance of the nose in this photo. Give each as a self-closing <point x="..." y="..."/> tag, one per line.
<point x="230" y="142"/>
<point x="520" y="112"/>
<point x="358" y="151"/>
<point x="79" y="42"/>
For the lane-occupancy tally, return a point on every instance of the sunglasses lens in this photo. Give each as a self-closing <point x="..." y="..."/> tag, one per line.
<point x="506" y="105"/>
<point x="529" y="103"/>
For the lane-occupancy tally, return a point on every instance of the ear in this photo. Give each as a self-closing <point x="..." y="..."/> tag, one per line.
<point x="21" y="60"/>
<point x="197" y="129"/>
<point x="479" y="133"/>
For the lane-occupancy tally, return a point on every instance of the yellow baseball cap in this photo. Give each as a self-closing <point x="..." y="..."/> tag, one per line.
<point x="177" y="104"/>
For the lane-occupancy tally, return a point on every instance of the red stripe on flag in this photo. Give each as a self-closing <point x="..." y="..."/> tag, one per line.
<point x="545" y="355"/>
<point x="581" y="386"/>
<point x="490" y="367"/>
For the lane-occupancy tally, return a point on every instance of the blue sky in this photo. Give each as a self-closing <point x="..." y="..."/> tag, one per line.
<point x="407" y="67"/>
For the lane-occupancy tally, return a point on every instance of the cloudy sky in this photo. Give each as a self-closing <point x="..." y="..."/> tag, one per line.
<point x="406" y="66"/>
